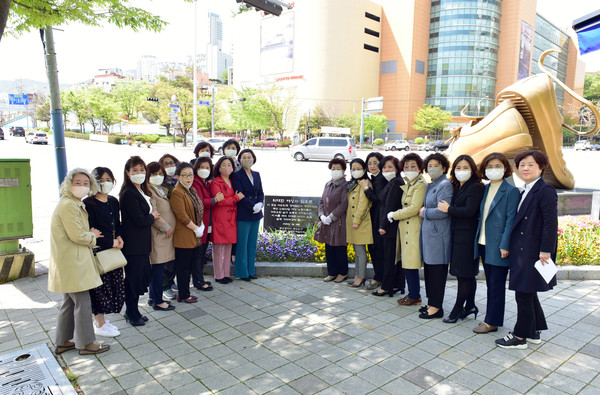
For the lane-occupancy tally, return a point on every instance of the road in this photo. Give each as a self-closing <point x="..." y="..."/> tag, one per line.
<point x="281" y="174"/>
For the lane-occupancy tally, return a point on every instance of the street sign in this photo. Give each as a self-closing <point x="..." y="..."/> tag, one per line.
<point x="18" y="100"/>
<point x="366" y="115"/>
<point x="374" y="104"/>
<point x="204" y="103"/>
<point x="172" y="114"/>
<point x="172" y="105"/>
<point x="175" y="109"/>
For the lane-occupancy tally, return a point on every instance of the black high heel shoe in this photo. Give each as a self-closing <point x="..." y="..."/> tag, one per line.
<point x="452" y="319"/>
<point x="473" y="310"/>
<point x="139" y="322"/>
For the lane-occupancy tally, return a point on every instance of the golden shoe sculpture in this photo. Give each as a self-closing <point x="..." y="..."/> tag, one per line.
<point x="539" y="126"/>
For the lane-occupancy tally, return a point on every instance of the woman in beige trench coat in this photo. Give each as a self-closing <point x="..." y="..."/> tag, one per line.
<point x="72" y="270"/>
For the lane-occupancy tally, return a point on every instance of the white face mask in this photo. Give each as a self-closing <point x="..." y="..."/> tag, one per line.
<point x="494" y="174"/>
<point x="106" y="187"/>
<point x="170" y="170"/>
<point x="79" y="191"/>
<point x="435" y="172"/>
<point x="137" y="178"/>
<point x="336" y="174"/>
<point x="231" y="153"/>
<point x="411" y="175"/>
<point x="156" y="180"/>
<point x="462" y="175"/>
<point x="357" y="174"/>
<point x="203" y="173"/>
<point x="389" y="175"/>
<point x="204" y="154"/>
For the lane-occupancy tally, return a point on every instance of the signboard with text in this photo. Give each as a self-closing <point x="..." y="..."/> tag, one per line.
<point x="18" y="100"/>
<point x="291" y="213"/>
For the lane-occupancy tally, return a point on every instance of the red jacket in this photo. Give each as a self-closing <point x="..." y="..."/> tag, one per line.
<point x="207" y="201"/>
<point x="224" y="223"/>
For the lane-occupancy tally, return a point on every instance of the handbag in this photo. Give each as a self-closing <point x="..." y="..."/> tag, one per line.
<point x="109" y="260"/>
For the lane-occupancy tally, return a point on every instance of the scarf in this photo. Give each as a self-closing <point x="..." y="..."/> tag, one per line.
<point x="197" y="203"/>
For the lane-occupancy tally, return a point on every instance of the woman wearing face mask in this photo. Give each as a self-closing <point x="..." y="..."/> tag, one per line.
<point x="163" y="252"/>
<point x="137" y="217"/>
<point x="187" y="240"/>
<point x="497" y="213"/>
<point x="372" y="190"/>
<point x="170" y="163"/>
<point x="409" y="226"/>
<point x="358" y="220"/>
<point x="72" y="270"/>
<point x="224" y="231"/>
<point x="203" y="150"/>
<point x="230" y="149"/>
<point x="464" y="212"/>
<point x="436" y="235"/>
<point x="203" y="169"/>
<point x="103" y="213"/>
<point x="249" y="213"/>
<point x="332" y="225"/>
<point x="390" y="201"/>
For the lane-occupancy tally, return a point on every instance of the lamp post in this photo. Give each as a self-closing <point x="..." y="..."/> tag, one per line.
<point x="195" y="77"/>
<point x="479" y="104"/>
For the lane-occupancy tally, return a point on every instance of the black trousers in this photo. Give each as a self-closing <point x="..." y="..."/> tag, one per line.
<point x="198" y="267"/>
<point x="184" y="261"/>
<point x="393" y="274"/>
<point x="168" y="275"/>
<point x="376" y="252"/>
<point x="465" y="296"/>
<point x="530" y="316"/>
<point x="435" y="284"/>
<point x="337" y="260"/>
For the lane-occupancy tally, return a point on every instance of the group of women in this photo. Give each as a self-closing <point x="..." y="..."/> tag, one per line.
<point x="442" y="222"/>
<point x="166" y="214"/>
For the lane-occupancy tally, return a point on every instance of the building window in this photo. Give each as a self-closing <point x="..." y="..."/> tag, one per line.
<point x="371" y="32"/>
<point x="371" y="48"/>
<point x="388" y="67"/>
<point x="373" y="17"/>
<point x="419" y="67"/>
<point x="391" y="126"/>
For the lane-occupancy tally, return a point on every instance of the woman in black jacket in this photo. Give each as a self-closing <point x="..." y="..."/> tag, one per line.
<point x="390" y="200"/>
<point x="464" y="212"/>
<point x="137" y="218"/>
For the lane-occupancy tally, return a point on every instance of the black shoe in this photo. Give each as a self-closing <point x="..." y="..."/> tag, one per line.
<point x="473" y="310"/>
<point x="536" y="339"/>
<point x="246" y="279"/>
<point x="253" y="277"/>
<point x="228" y="280"/>
<point x="150" y="302"/>
<point x="144" y="318"/>
<point x="204" y="286"/>
<point x="426" y="316"/>
<point x="452" y="318"/>
<point x="138" y="322"/>
<point x="168" y="308"/>
<point x="511" y="341"/>
<point x="377" y="293"/>
<point x="221" y="280"/>
<point x="423" y="309"/>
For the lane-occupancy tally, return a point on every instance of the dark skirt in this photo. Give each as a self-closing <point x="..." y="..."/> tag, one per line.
<point x="110" y="296"/>
<point x="466" y="268"/>
<point x="138" y="273"/>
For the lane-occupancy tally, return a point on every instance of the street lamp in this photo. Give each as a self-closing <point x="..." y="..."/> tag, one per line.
<point x="479" y="104"/>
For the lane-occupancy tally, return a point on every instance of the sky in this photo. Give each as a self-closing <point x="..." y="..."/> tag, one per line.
<point x="82" y="50"/>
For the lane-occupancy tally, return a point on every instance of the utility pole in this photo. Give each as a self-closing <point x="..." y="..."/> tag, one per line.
<point x="55" y="106"/>
<point x="362" y="120"/>
<point x="212" y="113"/>
<point x="195" y="79"/>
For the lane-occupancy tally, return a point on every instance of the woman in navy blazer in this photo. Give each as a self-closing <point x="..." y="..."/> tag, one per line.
<point x="534" y="238"/>
<point x="249" y="213"/>
<point x="492" y="240"/>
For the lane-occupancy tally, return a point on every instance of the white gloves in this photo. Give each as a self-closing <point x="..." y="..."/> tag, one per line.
<point x="390" y="216"/>
<point x="326" y="220"/>
<point x="199" y="230"/>
<point x="257" y="207"/>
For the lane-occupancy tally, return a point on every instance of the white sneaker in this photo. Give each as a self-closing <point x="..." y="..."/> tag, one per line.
<point x="111" y="326"/>
<point x="107" y="330"/>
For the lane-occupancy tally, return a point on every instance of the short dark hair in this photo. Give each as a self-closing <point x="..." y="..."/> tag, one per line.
<point x="388" y="158"/>
<point x="181" y="166"/>
<point x="245" y="151"/>
<point x="99" y="171"/>
<point x="472" y="165"/>
<point x="440" y="158"/>
<point x="337" y="161"/>
<point x="216" y="172"/>
<point x="374" y="154"/>
<point x="228" y="142"/>
<point x="540" y="158"/>
<point x="495" y="155"/>
<point x="199" y="161"/>
<point x="362" y="164"/>
<point x="155" y="167"/>
<point x="409" y="157"/>
<point x="165" y="156"/>
<point x="201" y="145"/>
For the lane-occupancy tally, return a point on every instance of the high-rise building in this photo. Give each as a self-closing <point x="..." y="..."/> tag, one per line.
<point x="148" y="68"/>
<point x="217" y="61"/>
<point x="215" y="30"/>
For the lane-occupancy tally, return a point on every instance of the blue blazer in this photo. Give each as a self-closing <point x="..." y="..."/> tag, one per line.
<point x="436" y="232"/>
<point x="252" y="194"/>
<point x="498" y="224"/>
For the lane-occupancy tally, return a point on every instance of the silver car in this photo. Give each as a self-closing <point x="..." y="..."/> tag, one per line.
<point x="325" y="148"/>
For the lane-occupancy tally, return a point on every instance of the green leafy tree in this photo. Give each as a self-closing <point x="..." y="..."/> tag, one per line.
<point x="103" y="108"/>
<point x="591" y="87"/>
<point x="318" y="118"/>
<point x="77" y="102"/>
<point x="130" y="95"/>
<point x="351" y="121"/>
<point x="282" y="107"/>
<point x="376" y="123"/>
<point x="42" y="113"/>
<point x="253" y="113"/>
<point x="432" y="120"/>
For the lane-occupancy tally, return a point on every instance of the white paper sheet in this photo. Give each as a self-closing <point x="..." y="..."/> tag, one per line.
<point x="548" y="270"/>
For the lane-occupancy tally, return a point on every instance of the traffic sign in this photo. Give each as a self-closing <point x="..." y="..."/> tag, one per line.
<point x="172" y="114"/>
<point x="175" y="109"/>
<point x="204" y="103"/>
<point x="367" y="115"/>
<point x="172" y="105"/>
<point x="18" y="100"/>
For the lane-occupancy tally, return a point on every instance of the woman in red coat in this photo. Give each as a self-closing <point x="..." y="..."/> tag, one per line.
<point x="224" y="219"/>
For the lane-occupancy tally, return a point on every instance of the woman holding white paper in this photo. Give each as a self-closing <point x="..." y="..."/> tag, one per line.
<point x="534" y="238"/>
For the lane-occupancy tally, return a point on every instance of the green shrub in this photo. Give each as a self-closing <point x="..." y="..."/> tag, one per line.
<point x="114" y="139"/>
<point x="139" y="138"/>
<point x="75" y="135"/>
<point x="378" y="142"/>
<point x="419" y="140"/>
<point x="284" y="143"/>
<point x="153" y="138"/>
<point x="366" y="146"/>
<point x="168" y="139"/>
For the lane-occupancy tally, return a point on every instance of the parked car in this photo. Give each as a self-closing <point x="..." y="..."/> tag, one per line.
<point x="397" y="145"/>
<point x="437" y="146"/>
<point x="1" y="134"/>
<point x="582" y="145"/>
<point x="325" y="148"/>
<point x="596" y="147"/>
<point x="217" y="144"/>
<point x="36" y="138"/>
<point x="17" y="131"/>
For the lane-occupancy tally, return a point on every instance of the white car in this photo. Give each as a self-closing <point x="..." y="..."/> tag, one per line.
<point x="582" y="145"/>
<point x="397" y="145"/>
<point x="36" y="138"/>
<point x="217" y="144"/>
<point x="325" y="148"/>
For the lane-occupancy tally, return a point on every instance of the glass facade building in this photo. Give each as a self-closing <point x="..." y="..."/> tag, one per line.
<point x="463" y="54"/>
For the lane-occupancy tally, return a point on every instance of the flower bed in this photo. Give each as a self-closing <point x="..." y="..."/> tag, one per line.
<point x="578" y="241"/>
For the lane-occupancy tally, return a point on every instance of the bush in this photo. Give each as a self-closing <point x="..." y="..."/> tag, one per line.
<point x="168" y="139"/>
<point x="378" y="142"/>
<point x="44" y="129"/>
<point x="114" y="139"/>
<point x="76" y="135"/>
<point x="578" y="240"/>
<point x="419" y="140"/>
<point x="284" y="143"/>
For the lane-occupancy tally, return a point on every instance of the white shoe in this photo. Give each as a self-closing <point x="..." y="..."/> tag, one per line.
<point x="111" y="326"/>
<point x="107" y="330"/>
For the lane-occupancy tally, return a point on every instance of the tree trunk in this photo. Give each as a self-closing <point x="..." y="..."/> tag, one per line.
<point x="4" y="10"/>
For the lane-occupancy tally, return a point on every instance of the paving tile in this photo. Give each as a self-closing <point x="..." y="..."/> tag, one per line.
<point x="531" y="370"/>
<point x="335" y="337"/>
<point x="563" y="383"/>
<point x="407" y="388"/>
<point x="264" y="383"/>
<point x="194" y="313"/>
<point x="542" y="389"/>
<point x="592" y="350"/>
<point x="134" y="379"/>
<point x="332" y="374"/>
<point x="515" y="381"/>
<point x="218" y="381"/>
<point x="494" y="388"/>
<point x="312" y="362"/>
<point x="308" y="384"/>
<point x="376" y="375"/>
<point x="448" y="387"/>
<point x="422" y="377"/>
<point x="196" y="388"/>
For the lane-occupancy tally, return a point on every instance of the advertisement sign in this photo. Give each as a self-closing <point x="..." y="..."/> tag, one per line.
<point x="525" y="50"/>
<point x="277" y="44"/>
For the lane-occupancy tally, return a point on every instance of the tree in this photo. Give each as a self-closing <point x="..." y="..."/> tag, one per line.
<point x="318" y="118"/>
<point x="432" y="120"/>
<point x="43" y="112"/>
<point x="591" y="87"/>
<point x="130" y="95"/>
<point x="282" y="108"/>
<point x="77" y="101"/>
<point x="376" y="123"/>
<point x="225" y="77"/>
<point x="103" y="108"/>
<point x="253" y="113"/>
<point x="19" y="16"/>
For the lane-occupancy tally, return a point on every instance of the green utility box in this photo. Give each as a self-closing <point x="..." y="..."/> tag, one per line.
<point x="16" y="220"/>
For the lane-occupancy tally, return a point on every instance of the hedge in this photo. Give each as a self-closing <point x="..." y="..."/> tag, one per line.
<point x="75" y="135"/>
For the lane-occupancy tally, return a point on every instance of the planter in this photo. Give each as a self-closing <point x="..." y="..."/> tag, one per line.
<point x="148" y="144"/>
<point x="138" y="143"/>
<point x="130" y="141"/>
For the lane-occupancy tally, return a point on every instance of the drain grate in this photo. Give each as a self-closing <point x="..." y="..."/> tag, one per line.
<point x="33" y="371"/>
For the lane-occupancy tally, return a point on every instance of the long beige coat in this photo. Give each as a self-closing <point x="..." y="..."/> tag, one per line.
<point x="409" y="225"/>
<point x="72" y="268"/>
<point x="162" y="247"/>
<point x="358" y="213"/>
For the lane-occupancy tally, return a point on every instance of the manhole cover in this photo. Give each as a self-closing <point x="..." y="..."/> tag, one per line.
<point x="32" y="371"/>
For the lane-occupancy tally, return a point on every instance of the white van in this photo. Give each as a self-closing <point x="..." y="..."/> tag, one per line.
<point x="325" y="148"/>
<point x="582" y="145"/>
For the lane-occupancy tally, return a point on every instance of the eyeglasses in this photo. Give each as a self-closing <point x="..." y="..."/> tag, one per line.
<point x="186" y="175"/>
<point x="166" y="164"/>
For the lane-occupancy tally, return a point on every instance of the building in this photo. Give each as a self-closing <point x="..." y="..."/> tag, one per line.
<point x="217" y="61"/>
<point x="106" y="79"/>
<point x="215" y="30"/>
<point x="148" y="68"/>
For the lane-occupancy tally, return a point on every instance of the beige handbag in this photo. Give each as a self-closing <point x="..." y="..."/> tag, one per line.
<point x="109" y="260"/>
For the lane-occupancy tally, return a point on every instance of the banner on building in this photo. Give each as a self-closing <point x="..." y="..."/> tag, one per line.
<point x="277" y="44"/>
<point x="525" y="50"/>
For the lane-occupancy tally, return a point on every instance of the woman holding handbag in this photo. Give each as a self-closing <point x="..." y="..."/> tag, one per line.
<point x="103" y="214"/>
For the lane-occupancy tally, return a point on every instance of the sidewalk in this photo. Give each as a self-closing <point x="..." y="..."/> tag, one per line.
<point x="301" y="335"/>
